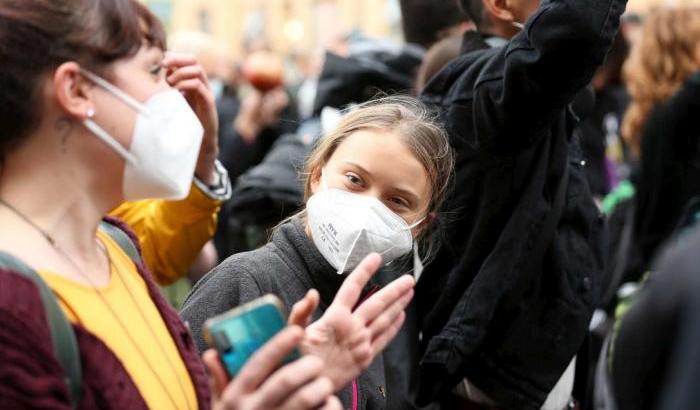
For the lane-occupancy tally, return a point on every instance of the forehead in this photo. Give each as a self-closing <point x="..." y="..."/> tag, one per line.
<point x="388" y="160"/>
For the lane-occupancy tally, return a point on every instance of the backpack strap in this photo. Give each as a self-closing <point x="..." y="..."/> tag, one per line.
<point x="123" y="240"/>
<point x="63" y="339"/>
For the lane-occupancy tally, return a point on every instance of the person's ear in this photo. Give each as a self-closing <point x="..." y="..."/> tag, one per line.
<point x="315" y="180"/>
<point x="72" y="91"/>
<point x="499" y="10"/>
<point x="419" y="230"/>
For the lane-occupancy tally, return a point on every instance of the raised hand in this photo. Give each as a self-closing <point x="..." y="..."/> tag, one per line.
<point x="348" y="340"/>
<point x="185" y="74"/>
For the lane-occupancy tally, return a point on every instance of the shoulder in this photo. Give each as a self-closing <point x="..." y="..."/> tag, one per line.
<point x="458" y="80"/>
<point x="30" y="375"/>
<point x="238" y="279"/>
<point x="259" y="265"/>
<point x="19" y="297"/>
<point x="677" y="265"/>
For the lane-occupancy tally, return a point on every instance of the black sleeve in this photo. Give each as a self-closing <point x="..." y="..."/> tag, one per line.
<point x="544" y="67"/>
<point x="222" y="289"/>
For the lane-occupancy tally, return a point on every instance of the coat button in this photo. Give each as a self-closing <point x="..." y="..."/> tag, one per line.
<point x="586" y="284"/>
<point x="583" y="163"/>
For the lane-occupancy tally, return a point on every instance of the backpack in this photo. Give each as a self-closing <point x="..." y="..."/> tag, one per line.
<point x="65" y="346"/>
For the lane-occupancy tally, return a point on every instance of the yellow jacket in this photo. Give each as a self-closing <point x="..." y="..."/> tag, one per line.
<point x="172" y="233"/>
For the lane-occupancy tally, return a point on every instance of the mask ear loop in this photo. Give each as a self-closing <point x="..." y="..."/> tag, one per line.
<point x="98" y="131"/>
<point x="324" y="185"/>
<point x="417" y="263"/>
<point x="109" y="140"/>
<point x="518" y="25"/>
<point x="126" y="98"/>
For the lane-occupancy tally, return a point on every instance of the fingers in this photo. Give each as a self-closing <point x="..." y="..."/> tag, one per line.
<point x="188" y="73"/>
<point x="217" y="375"/>
<point x="310" y="396"/>
<point x="383" y="339"/>
<point x="174" y="60"/>
<point x="387" y="318"/>
<point x="195" y="86"/>
<point x="268" y="358"/>
<point x="378" y="303"/>
<point x="282" y="385"/>
<point x="302" y="310"/>
<point x="349" y="293"/>
<point x="332" y="403"/>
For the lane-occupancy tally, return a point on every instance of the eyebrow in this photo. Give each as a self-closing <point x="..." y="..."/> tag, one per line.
<point x="412" y="197"/>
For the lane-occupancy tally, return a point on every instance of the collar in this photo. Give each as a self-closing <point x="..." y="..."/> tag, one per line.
<point x="474" y="40"/>
<point x="309" y="264"/>
<point x="306" y="260"/>
<point x="496" y="42"/>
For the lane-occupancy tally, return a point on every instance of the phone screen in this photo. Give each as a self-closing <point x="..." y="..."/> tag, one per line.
<point x="240" y="333"/>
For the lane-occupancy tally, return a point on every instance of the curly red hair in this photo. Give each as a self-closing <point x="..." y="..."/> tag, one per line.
<point x="665" y="56"/>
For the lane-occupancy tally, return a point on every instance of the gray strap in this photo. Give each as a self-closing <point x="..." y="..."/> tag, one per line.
<point x="123" y="240"/>
<point x="63" y="339"/>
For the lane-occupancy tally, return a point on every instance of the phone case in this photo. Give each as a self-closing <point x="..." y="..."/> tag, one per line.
<point x="240" y="332"/>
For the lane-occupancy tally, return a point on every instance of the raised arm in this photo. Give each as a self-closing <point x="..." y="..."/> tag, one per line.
<point x="521" y="90"/>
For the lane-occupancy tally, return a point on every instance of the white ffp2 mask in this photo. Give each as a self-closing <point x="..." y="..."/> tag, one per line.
<point x="347" y="227"/>
<point x="164" y="147"/>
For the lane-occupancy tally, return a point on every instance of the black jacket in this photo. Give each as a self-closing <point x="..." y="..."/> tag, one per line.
<point x="492" y="309"/>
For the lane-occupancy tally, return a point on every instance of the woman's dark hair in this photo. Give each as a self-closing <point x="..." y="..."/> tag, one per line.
<point x="474" y="9"/>
<point x="425" y="21"/>
<point x="36" y="36"/>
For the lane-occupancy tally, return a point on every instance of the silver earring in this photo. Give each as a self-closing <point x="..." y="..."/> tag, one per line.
<point x="90" y="113"/>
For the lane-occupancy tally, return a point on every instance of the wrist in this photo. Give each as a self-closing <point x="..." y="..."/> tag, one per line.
<point x="218" y="185"/>
<point x="206" y="165"/>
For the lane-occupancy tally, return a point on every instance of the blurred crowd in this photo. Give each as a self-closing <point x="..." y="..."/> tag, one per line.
<point x="499" y="213"/>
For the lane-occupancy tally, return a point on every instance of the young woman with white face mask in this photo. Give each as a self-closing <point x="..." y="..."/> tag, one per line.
<point x="94" y="114"/>
<point x="374" y="185"/>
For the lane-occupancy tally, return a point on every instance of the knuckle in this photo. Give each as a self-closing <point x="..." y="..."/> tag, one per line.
<point x="311" y="397"/>
<point x="286" y="382"/>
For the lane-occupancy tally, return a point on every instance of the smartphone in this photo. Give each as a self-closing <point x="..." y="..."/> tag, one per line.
<point x="240" y="332"/>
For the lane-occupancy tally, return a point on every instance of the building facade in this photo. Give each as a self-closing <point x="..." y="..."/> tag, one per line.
<point x="283" y="25"/>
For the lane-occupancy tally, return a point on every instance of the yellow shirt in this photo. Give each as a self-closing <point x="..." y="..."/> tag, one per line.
<point x="171" y="233"/>
<point x="150" y="346"/>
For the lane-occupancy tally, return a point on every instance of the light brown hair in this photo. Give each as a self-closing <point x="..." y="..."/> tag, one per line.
<point x="663" y="59"/>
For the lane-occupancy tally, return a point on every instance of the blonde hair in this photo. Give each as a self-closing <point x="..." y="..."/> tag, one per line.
<point x="419" y="130"/>
<point x="660" y="62"/>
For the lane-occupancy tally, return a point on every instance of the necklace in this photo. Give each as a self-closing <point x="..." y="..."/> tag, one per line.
<point x="124" y="328"/>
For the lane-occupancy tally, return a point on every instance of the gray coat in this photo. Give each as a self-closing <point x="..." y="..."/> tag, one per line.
<point x="287" y="267"/>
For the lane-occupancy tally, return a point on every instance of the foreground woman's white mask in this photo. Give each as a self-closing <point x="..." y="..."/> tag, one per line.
<point x="347" y="227"/>
<point x="164" y="146"/>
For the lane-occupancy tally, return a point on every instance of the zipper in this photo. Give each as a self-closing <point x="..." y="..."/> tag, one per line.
<point x="355" y="395"/>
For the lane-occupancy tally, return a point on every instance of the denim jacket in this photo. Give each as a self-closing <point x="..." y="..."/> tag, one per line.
<point x="491" y="308"/>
